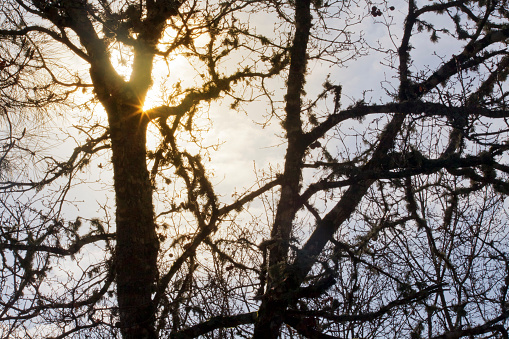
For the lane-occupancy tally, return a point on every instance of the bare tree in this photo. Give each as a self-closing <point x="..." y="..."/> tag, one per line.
<point x="386" y="219"/>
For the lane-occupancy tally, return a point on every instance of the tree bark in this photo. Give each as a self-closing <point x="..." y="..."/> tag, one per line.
<point x="270" y="315"/>
<point x="137" y="243"/>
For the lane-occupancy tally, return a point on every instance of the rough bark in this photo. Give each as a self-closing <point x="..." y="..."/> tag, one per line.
<point x="137" y="243"/>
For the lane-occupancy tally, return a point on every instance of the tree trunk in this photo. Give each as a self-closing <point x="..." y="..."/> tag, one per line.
<point x="137" y="243"/>
<point x="270" y="314"/>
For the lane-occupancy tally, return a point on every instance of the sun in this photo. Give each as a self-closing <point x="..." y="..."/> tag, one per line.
<point x="168" y="74"/>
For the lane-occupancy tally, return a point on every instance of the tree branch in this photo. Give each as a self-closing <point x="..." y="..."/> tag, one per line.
<point x="215" y="323"/>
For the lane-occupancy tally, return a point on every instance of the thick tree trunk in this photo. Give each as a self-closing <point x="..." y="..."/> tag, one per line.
<point x="137" y="243"/>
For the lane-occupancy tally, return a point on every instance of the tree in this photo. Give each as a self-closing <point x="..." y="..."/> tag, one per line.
<point x="397" y="230"/>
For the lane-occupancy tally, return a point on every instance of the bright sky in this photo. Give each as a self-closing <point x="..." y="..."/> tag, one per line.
<point x="244" y="144"/>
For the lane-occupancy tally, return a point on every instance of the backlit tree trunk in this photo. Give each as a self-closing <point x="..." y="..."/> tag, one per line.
<point x="389" y="203"/>
<point x="137" y="243"/>
<point x="272" y="309"/>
